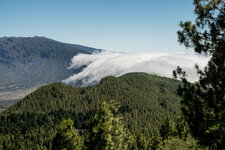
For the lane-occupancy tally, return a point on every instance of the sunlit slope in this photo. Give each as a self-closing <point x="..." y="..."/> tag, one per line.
<point x="146" y="100"/>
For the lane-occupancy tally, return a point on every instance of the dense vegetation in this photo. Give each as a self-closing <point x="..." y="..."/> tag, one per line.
<point x="204" y="102"/>
<point x="107" y="132"/>
<point x="67" y="137"/>
<point x="146" y="101"/>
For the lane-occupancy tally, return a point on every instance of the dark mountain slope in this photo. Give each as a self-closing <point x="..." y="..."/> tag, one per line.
<point x="146" y="101"/>
<point x="88" y="49"/>
<point x="35" y="58"/>
<point x="34" y="61"/>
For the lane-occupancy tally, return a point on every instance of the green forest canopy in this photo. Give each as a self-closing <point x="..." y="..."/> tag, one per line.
<point x="146" y="101"/>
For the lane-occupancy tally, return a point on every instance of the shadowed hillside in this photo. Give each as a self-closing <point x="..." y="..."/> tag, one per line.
<point x="33" y="61"/>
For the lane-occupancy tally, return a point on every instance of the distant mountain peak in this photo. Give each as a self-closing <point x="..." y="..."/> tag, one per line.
<point x="27" y="62"/>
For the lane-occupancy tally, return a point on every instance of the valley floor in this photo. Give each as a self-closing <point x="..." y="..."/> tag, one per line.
<point x="8" y="98"/>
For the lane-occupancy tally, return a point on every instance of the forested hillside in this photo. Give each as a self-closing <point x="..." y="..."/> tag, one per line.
<point x="146" y="101"/>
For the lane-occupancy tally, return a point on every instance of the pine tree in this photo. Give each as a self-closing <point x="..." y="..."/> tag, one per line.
<point x="182" y="128"/>
<point x="168" y="129"/>
<point x="204" y="101"/>
<point x="107" y="131"/>
<point x="67" y="137"/>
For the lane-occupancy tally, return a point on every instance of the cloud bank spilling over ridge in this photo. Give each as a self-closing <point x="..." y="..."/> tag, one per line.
<point x="100" y="65"/>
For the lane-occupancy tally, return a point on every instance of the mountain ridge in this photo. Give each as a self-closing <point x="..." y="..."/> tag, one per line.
<point x="27" y="62"/>
<point x="146" y="100"/>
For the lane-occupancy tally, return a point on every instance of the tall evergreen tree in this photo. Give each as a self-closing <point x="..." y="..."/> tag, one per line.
<point x="168" y="129"/>
<point x="67" y="137"/>
<point x="204" y="101"/>
<point x="107" y="131"/>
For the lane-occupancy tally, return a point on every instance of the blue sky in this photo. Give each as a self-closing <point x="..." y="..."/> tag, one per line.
<point x="115" y="25"/>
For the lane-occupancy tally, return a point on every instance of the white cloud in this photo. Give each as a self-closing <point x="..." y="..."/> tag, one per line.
<point x="100" y="65"/>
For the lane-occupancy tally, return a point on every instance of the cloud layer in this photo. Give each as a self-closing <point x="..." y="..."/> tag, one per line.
<point x="100" y="65"/>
